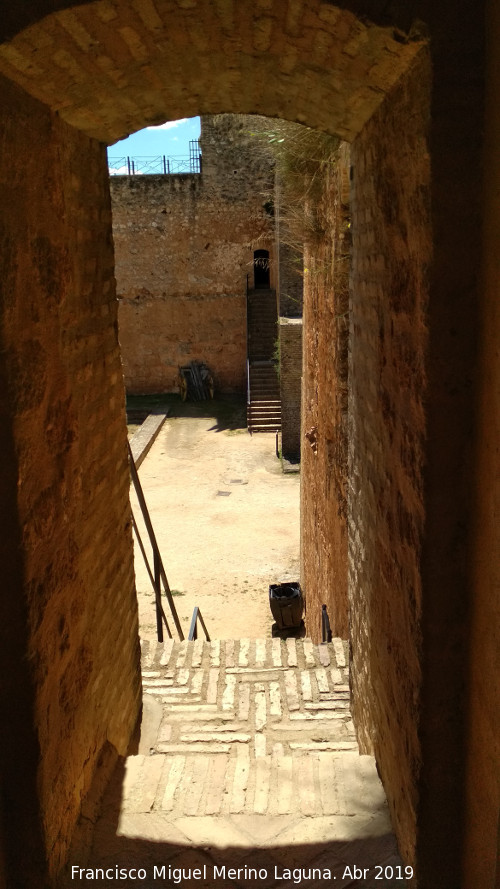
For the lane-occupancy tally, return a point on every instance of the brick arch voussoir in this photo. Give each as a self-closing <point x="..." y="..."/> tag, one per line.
<point x="111" y="68"/>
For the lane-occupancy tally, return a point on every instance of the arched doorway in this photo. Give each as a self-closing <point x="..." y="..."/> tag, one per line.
<point x="261" y="270"/>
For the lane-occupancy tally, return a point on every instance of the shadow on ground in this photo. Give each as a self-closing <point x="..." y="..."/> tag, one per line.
<point x="229" y="411"/>
<point x="271" y="852"/>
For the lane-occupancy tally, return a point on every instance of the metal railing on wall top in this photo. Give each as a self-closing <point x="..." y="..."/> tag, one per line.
<point x="159" y="165"/>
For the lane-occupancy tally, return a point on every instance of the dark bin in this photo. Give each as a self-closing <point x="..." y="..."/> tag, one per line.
<point x="287" y="604"/>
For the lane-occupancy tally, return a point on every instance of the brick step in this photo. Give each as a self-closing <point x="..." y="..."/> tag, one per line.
<point x="257" y="427"/>
<point x="270" y="393"/>
<point x="270" y="380"/>
<point x="258" y="339"/>
<point x="265" y="314"/>
<point x="264" y="341"/>
<point x="267" y="404"/>
<point x="264" y="426"/>
<point x="257" y="333"/>
<point x="266" y="297"/>
<point x="262" y="313"/>
<point x="264" y="375"/>
<point x="266" y="418"/>
<point x="261" y="348"/>
<point x="264" y="387"/>
<point x="264" y="378"/>
<point x="264" y="317"/>
<point x="265" y="652"/>
<point x="265" y="382"/>
<point x="260" y="405"/>
<point x="261" y="323"/>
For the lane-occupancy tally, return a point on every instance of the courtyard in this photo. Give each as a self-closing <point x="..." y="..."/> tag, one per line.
<point x="226" y="519"/>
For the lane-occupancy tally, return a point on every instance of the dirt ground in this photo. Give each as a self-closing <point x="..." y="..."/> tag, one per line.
<point x="226" y="519"/>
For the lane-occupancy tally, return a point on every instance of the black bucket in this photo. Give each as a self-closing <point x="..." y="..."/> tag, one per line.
<point x="287" y="605"/>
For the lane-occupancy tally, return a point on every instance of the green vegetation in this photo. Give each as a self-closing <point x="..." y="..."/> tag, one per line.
<point x="302" y="157"/>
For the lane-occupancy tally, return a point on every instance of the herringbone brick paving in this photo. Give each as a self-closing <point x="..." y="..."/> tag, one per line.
<point x="248" y="758"/>
<point x="243" y="721"/>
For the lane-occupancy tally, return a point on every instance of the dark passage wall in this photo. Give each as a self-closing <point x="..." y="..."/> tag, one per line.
<point x="482" y="842"/>
<point x="389" y="295"/>
<point x="290" y="342"/>
<point x="324" y="405"/>
<point x="68" y="596"/>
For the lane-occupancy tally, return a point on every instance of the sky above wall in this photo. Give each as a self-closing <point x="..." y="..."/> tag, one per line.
<point x="169" y="140"/>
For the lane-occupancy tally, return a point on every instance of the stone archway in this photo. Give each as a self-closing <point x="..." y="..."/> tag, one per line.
<point x="110" y="69"/>
<point x="89" y="74"/>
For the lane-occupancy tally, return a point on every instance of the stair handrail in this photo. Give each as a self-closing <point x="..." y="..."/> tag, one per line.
<point x="159" y="570"/>
<point x="248" y="343"/>
<point x="160" y="614"/>
<point x="193" y="629"/>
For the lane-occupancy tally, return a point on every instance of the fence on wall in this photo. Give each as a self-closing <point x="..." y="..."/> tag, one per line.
<point x="161" y="165"/>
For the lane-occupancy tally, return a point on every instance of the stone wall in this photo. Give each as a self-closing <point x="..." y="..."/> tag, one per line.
<point x="290" y="339"/>
<point x="69" y="680"/>
<point x="184" y="248"/>
<point x="482" y="812"/>
<point x="387" y="390"/>
<point x="324" y="407"/>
